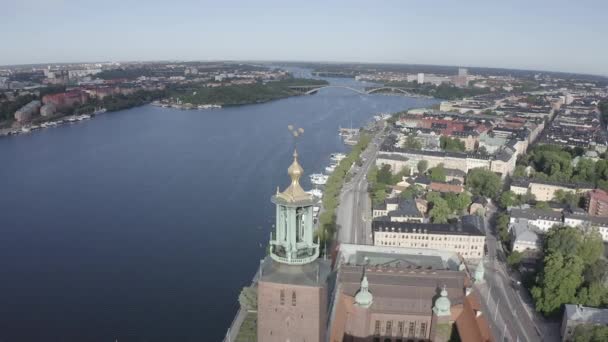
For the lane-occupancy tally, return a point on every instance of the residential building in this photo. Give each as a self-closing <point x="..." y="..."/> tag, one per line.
<point x="398" y="210"/>
<point x="580" y="219"/>
<point x="545" y="190"/>
<point x="596" y="202"/>
<point x="525" y="238"/>
<point x="446" y="187"/>
<point x="25" y="113"/>
<point x="577" y="314"/>
<point x="466" y="237"/>
<point x="543" y="220"/>
<point x="66" y="100"/>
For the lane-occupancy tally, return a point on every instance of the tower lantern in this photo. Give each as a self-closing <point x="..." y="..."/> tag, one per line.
<point x="293" y="240"/>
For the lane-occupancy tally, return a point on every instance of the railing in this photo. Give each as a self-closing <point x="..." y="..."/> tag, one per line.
<point x="295" y="261"/>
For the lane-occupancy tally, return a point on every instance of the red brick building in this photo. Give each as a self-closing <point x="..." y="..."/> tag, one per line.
<point x="596" y="202"/>
<point x="66" y="100"/>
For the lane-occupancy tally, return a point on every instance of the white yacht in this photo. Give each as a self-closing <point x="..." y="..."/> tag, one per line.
<point x="330" y="168"/>
<point x="318" y="178"/>
<point x="316" y="192"/>
<point x="337" y="157"/>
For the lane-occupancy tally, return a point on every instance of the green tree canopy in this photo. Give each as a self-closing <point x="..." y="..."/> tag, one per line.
<point x="440" y="211"/>
<point x="483" y="182"/>
<point x="437" y="173"/>
<point x="558" y="282"/>
<point x="412" y="143"/>
<point x="422" y="166"/>
<point x="451" y="144"/>
<point x="590" y="333"/>
<point x="514" y="259"/>
<point x="384" y="175"/>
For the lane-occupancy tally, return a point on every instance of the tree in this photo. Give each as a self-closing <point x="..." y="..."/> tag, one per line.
<point x="437" y="173"/>
<point x="520" y="171"/>
<point x="502" y="223"/>
<point x="508" y="199"/>
<point x="592" y="295"/>
<point x="412" y="143"/>
<point x="411" y="192"/>
<point x="514" y="259"/>
<point x="384" y="175"/>
<point x="248" y="298"/>
<point x="483" y="182"/>
<point x="590" y="333"/>
<point x="542" y="205"/>
<point x="596" y="272"/>
<point x="458" y="202"/>
<point x="591" y="247"/>
<point x="451" y="144"/>
<point x="440" y="211"/>
<point x="564" y="240"/>
<point x="422" y="166"/>
<point x="558" y="282"/>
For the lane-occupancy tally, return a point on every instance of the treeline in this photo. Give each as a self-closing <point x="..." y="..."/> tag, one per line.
<point x="443" y="91"/>
<point x="233" y="95"/>
<point x="119" y="102"/>
<point x="8" y="108"/>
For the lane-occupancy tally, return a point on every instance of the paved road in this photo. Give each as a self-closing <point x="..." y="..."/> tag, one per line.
<point x="515" y="306"/>
<point x="354" y="212"/>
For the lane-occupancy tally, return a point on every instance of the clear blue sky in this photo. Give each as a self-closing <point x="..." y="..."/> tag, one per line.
<point x="555" y="35"/>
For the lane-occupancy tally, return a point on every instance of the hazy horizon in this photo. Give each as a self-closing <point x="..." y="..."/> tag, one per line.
<point x="557" y="36"/>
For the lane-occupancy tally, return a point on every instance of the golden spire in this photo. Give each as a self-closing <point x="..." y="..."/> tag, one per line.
<point x="294" y="192"/>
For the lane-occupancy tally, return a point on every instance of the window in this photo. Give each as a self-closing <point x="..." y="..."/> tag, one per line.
<point x="293" y="298"/>
<point x="282" y="297"/>
<point x="422" y="330"/>
<point x="377" y="328"/>
<point x="410" y="331"/>
<point x="389" y="328"/>
<point x="400" y="327"/>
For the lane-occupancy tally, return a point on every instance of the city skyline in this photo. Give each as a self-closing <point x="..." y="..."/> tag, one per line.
<point x="537" y="36"/>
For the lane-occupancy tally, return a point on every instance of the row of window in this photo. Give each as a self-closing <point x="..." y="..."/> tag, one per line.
<point x="423" y="245"/>
<point x="413" y="329"/>
<point x="426" y="245"/>
<point x="433" y="238"/>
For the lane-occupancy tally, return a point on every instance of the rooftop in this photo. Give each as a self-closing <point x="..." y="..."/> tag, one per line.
<point x="584" y="314"/>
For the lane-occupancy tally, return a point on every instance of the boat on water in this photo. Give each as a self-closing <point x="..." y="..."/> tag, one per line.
<point x="100" y="111"/>
<point x="316" y="192"/>
<point x="330" y="168"/>
<point x="382" y="116"/>
<point x="337" y="157"/>
<point x="318" y="178"/>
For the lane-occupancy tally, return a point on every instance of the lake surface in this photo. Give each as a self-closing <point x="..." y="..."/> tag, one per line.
<point x="144" y="224"/>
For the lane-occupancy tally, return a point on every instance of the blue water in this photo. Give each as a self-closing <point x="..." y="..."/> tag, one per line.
<point x="144" y="224"/>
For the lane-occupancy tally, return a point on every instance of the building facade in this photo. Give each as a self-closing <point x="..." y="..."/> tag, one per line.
<point x="465" y="238"/>
<point x="596" y="202"/>
<point x="292" y="285"/>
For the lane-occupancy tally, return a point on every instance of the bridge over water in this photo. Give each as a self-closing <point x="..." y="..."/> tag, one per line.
<point x="313" y="89"/>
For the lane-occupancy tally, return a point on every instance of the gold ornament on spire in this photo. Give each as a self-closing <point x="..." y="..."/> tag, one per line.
<point x="294" y="192"/>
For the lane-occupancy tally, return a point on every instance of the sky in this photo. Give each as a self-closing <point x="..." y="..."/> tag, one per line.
<point x="553" y="35"/>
